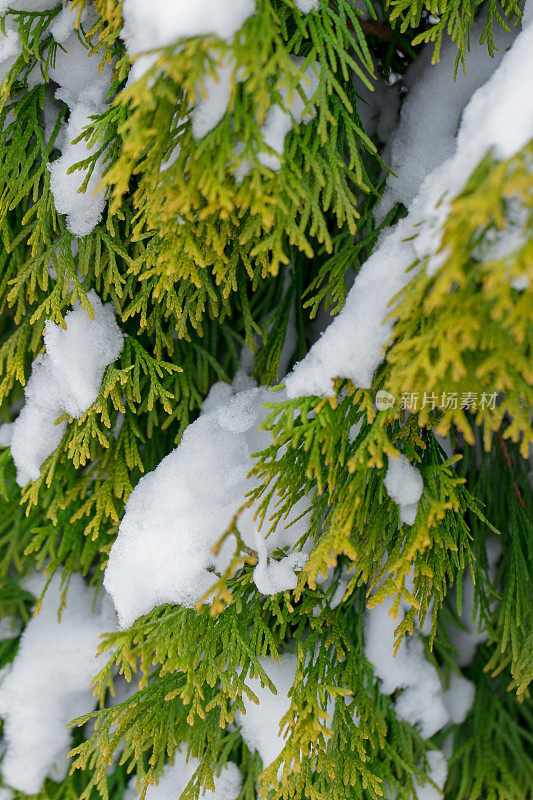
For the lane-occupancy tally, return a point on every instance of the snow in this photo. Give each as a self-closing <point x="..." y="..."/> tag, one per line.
<point x="176" y="776"/>
<point x="498" y="244"/>
<point x="213" y="97"/>
<point x="280" y="120"/>
<point x="466" y="641"/>
<point x="65" y="379"/>
<point x="431" y="112"/>
<point x="37" y="704"/>
<point x="305" y="6"/>
<point x="79" y="76"/>
<point x="404" y="485"/>
<point x="378" y="109"/>
<point x="437" y="772"/>
<point x="353" y="345"/>
<point x="10" y="49"/>
<point x="83" y="84"/>
<point x="150" y="26"/>
<point x="178" y="513"/>
<point x="160" y="23"/>
<point x="6" y="434"/>
<point x="83" y="209"/>
<point x="260" y="724"/>
<point x="9" y="627"/>
<point x="27" y="5"/>
<point x="66" y="21"/>
<point x="421" y="700"/>
<point x="459" y="698"/>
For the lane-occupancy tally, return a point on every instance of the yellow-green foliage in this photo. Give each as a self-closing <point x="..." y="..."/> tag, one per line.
<point x="337" y="453"/>
<point x="454" y="19"/>
<point x="205" y="224"/>
<point x="466" y="328"/>
<point x="198" y="264"/>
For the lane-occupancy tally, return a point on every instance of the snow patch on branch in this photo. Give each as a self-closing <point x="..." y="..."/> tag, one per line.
<point x="280" y="120"/>
<point x="48" y="683"/>
<point x="176" y="776"/>
<point x="305" y="6"/>
<point x="499" y="117"/>
<point x="260" y="723"/>
<point x="431" y="113"/>
<point x="437" y="772"/>
<point x="83" y="210"/>
<point x="404" y="485"/>
<point x="83" y="86"/>
<point x="214" y="94"/>
<point x="421" y="700"/>
<point x="178" y="513"/>
<point x="65" y="379"/>
<point x="160" y="23"/>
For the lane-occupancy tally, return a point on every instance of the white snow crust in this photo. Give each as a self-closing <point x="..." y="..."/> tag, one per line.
<point x="149" y="26"/>
<point x="431" y="113"/>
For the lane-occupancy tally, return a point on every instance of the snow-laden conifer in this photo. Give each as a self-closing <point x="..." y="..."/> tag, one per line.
<point x="265" y="385"/>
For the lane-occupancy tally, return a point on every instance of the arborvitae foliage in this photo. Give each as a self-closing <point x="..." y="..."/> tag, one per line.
<point x="217" y="178"/>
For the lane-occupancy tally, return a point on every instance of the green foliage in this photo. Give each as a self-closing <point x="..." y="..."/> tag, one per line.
<point x="453" y="18"/>
<point x="201" y="666"/>
<point x="492" y="749"/>
<point x="509" y="621"/>
<point x="466" y="327"/>
<point x="335" y="452"/>
<point x="209" y="230"/>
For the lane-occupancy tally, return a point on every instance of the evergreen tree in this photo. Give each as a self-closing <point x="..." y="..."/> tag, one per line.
<point x="241" y="559"/>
